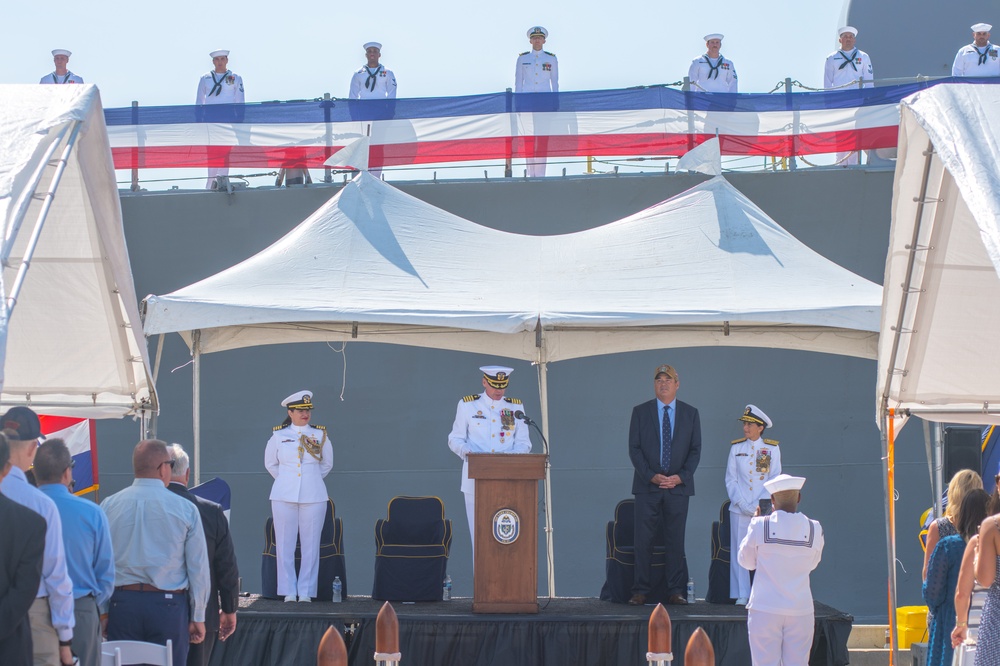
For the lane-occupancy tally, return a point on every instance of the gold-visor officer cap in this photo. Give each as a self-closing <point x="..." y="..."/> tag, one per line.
<point x="537" y="30"/>
<point x="667" y="370"/>
<point x="497" y="376"/>
<point x="300" y="400"/>
<point x="754" y="414"/>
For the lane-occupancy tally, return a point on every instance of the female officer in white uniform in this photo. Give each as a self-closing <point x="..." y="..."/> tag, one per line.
<point x="298" y="456"/>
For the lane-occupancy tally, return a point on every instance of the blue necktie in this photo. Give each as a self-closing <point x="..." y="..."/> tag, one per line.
<point x="667" y="438"/>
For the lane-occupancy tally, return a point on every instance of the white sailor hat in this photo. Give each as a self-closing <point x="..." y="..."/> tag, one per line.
<point x="847" y="28"/>
<point x="497" y="376"/>
<point x="58" y="52"/>
<point x="784" y="482"/>
<point x="220" y="53"/>
<point x="982" y="27"/>
<point x="754" y="414"/>
<point x="714" y="35"/>
<point x="537" y="30"/>
<point x="300" y="400"/>
<point x="373" y="45"/>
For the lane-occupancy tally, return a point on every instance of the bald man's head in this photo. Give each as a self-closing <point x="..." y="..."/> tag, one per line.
<point x="148" y="458"/>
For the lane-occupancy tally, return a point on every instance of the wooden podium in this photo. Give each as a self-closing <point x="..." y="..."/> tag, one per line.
<point x="505" y="579"/>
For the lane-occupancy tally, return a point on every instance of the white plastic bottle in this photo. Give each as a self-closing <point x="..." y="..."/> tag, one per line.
<point x="446" y="589"/>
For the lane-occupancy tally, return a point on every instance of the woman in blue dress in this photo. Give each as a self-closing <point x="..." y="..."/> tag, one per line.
<point x="942" y="576"/>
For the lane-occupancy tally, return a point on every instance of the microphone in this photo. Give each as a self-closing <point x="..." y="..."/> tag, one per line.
<point x="520" y="415"/>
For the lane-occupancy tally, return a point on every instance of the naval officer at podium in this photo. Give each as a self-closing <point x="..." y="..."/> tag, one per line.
<point x="485" y="423"/>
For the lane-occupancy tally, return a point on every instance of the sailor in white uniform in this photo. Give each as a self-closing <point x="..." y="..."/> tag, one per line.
<point x="298" y="456"/>
<point x="980" y="58"/>
<point x="373" y="80"/>
<point x="61" y="74"/>
<point x="783" y="548"/>
<point x="713" y="72"/>
<point x="536" y="71"/>
<point x="752" y="462"/>
<point x="848" y="65"/>
<point x="485" y="423"/>
<point x="219" y="86"/>
<point x="844" y="68"/>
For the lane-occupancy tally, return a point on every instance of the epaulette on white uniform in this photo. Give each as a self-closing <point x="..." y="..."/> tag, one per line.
<point x="282" y="427"/>
<point x="546" y="53"/>
<point x="525" y="53"/>
<point x="471" y="398"/>
<point x="513" y="401"/>
<point x="771" y="442"/>
<point x="738" y="441"/>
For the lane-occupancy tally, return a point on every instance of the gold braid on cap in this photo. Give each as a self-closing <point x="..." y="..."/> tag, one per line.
<point x="312" y="446"/>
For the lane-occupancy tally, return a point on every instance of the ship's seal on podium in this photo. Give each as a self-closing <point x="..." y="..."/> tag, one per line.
<point x="506" y="526"/>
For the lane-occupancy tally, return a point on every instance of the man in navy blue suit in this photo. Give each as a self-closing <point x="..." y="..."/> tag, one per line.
<point x="664" y="444"/>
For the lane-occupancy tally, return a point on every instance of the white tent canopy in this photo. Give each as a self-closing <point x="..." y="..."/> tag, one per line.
<point x="937" y="354"/>
<point x="704" y="268"/>
<point x="71" y="336"/>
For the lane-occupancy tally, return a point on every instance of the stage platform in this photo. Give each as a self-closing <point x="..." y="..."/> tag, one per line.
<point x="566" y="632"/>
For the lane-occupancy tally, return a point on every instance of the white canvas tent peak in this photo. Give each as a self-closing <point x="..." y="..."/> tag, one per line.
<point x="940" y="323"/>
<point x="374" y="264"/>
<point x="72" y="340"/>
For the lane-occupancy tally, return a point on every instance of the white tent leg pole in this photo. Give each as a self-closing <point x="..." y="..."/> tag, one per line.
<point x="196" y="404"/>
<point x="937" y="436"/>
<point x="543" y="391"/>
<point x="156" y="372"/>
<point x="931" y="467"/>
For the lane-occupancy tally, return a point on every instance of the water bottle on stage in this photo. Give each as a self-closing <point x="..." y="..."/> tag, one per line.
<point x="337" y="590"/>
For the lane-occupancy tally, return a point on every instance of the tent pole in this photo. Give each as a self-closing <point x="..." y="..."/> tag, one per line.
<point x="888" y="467"/>
<point x="543" y="394"/>
<point x="196" y="404"/>
<point x="937" y="440"/>
<point x="931" y="467"/>
<point x="47" y="198"/>
<point x="21" y="209"/>
<point x="156" y="372"/>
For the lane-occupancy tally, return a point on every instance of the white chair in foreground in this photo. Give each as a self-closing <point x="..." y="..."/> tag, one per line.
<point x="123" y="653"/>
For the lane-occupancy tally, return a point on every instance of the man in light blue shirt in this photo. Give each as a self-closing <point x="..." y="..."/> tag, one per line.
<point x="88" y="548"/>
<point x="161" y="561"/>
<point x="51" y="616"/>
